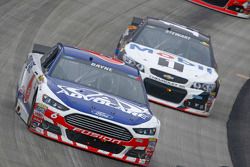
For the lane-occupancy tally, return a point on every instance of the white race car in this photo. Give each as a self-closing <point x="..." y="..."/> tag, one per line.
<point x="89" y="101"/>
<point x="176" y="63"/>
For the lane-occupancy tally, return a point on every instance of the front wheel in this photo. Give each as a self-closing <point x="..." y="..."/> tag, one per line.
<point x="16" y="98"/>
<point x="31" y="110"/>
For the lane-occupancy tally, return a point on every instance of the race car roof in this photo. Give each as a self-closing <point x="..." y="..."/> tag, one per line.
<point x="178" y="28"/>
<point x="100" y="59"/>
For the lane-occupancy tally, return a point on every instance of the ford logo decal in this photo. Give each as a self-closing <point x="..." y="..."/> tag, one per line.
<point x="102" y="114"/>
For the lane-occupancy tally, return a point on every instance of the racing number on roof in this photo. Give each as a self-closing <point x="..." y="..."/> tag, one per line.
<point x="174" y="65"/>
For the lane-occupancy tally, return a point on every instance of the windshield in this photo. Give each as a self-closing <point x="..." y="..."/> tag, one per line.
<point x="175" y="43"/>
<point x="99" y="77"/>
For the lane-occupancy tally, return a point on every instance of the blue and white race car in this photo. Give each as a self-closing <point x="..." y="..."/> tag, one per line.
<point x="87" y="100"/>
<point x="177" y="64"/>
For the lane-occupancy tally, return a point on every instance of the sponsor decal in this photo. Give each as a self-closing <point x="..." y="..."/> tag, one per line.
<point x="176" y="62"/>
<point x="101" y="67"/>
<point x="143" y="49"/>
<point x="38" y="114"/>
<point x="37" y="117"/>
<point x="30" y="63"/>
<point x="41" y="108"/>
<point x="151" y="146"/>
<point x="178" y="34"/>
<point x="20" y="92"/>
<point x="166" y="82"/>
<point x="102" y="114"/>
<point x="152" y="139"/>
<point x="96" y="97"/>
<point x="96" y="135"/>
<point x="28" y="90"/>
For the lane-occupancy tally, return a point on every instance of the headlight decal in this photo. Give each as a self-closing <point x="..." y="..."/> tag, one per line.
<point x="48" y="100"/>
<point x="128" y="60"/>
<point x="203" y="86"/>
<point x="131" y="62"/>
<point x="145" y="131"/>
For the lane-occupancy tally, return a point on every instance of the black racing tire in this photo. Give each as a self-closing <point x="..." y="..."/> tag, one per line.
<point x="118" y="47"/>
<point x="119" y="43"/>
<point x="16" y="99"/>
<point x="31" y="109"/>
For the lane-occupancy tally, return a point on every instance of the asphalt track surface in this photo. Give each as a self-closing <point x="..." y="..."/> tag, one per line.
<point x="238" y="128"/>
<point x="185" y="140"/>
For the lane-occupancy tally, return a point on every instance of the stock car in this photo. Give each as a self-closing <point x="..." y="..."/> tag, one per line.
<point x="239" y="8"/>
<point x="176" y="63"/>
<point x="89" y="101"/>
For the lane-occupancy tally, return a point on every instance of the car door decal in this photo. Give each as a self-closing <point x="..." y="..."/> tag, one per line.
<point x="28" y="90"/>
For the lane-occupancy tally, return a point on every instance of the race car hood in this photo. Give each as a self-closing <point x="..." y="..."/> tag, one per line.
<point x="99" y="104"/>
<point x="170" y="63"/>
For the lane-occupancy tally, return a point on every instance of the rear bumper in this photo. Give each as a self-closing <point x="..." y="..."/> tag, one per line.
<point x="53" y="126"/>
<point x="221" y="9"/>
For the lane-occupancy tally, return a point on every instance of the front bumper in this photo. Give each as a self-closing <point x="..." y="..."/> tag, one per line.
<point x="53" y="126"/>
<point x="183" y="99"/>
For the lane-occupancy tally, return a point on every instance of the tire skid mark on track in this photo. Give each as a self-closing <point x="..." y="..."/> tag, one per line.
<point x="7" y="8"/>
<point x="33" y="26"/>
<point x="110" y="20"/>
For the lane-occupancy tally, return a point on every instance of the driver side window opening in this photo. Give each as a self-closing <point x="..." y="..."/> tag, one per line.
<point x="48" y="59"/>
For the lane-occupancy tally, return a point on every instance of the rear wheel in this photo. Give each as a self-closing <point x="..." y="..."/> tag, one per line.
<point x="16" y="97"/>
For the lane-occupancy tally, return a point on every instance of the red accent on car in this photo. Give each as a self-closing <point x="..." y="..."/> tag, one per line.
<point x="179" y="109"/>
<point x="217" y="8"/>
<point x="106" y="58"/>
<point x="58" y="119"/>
<point x="28" y="90"/>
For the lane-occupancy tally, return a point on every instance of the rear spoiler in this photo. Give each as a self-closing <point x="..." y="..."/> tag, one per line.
<point x="41" y="49"/>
